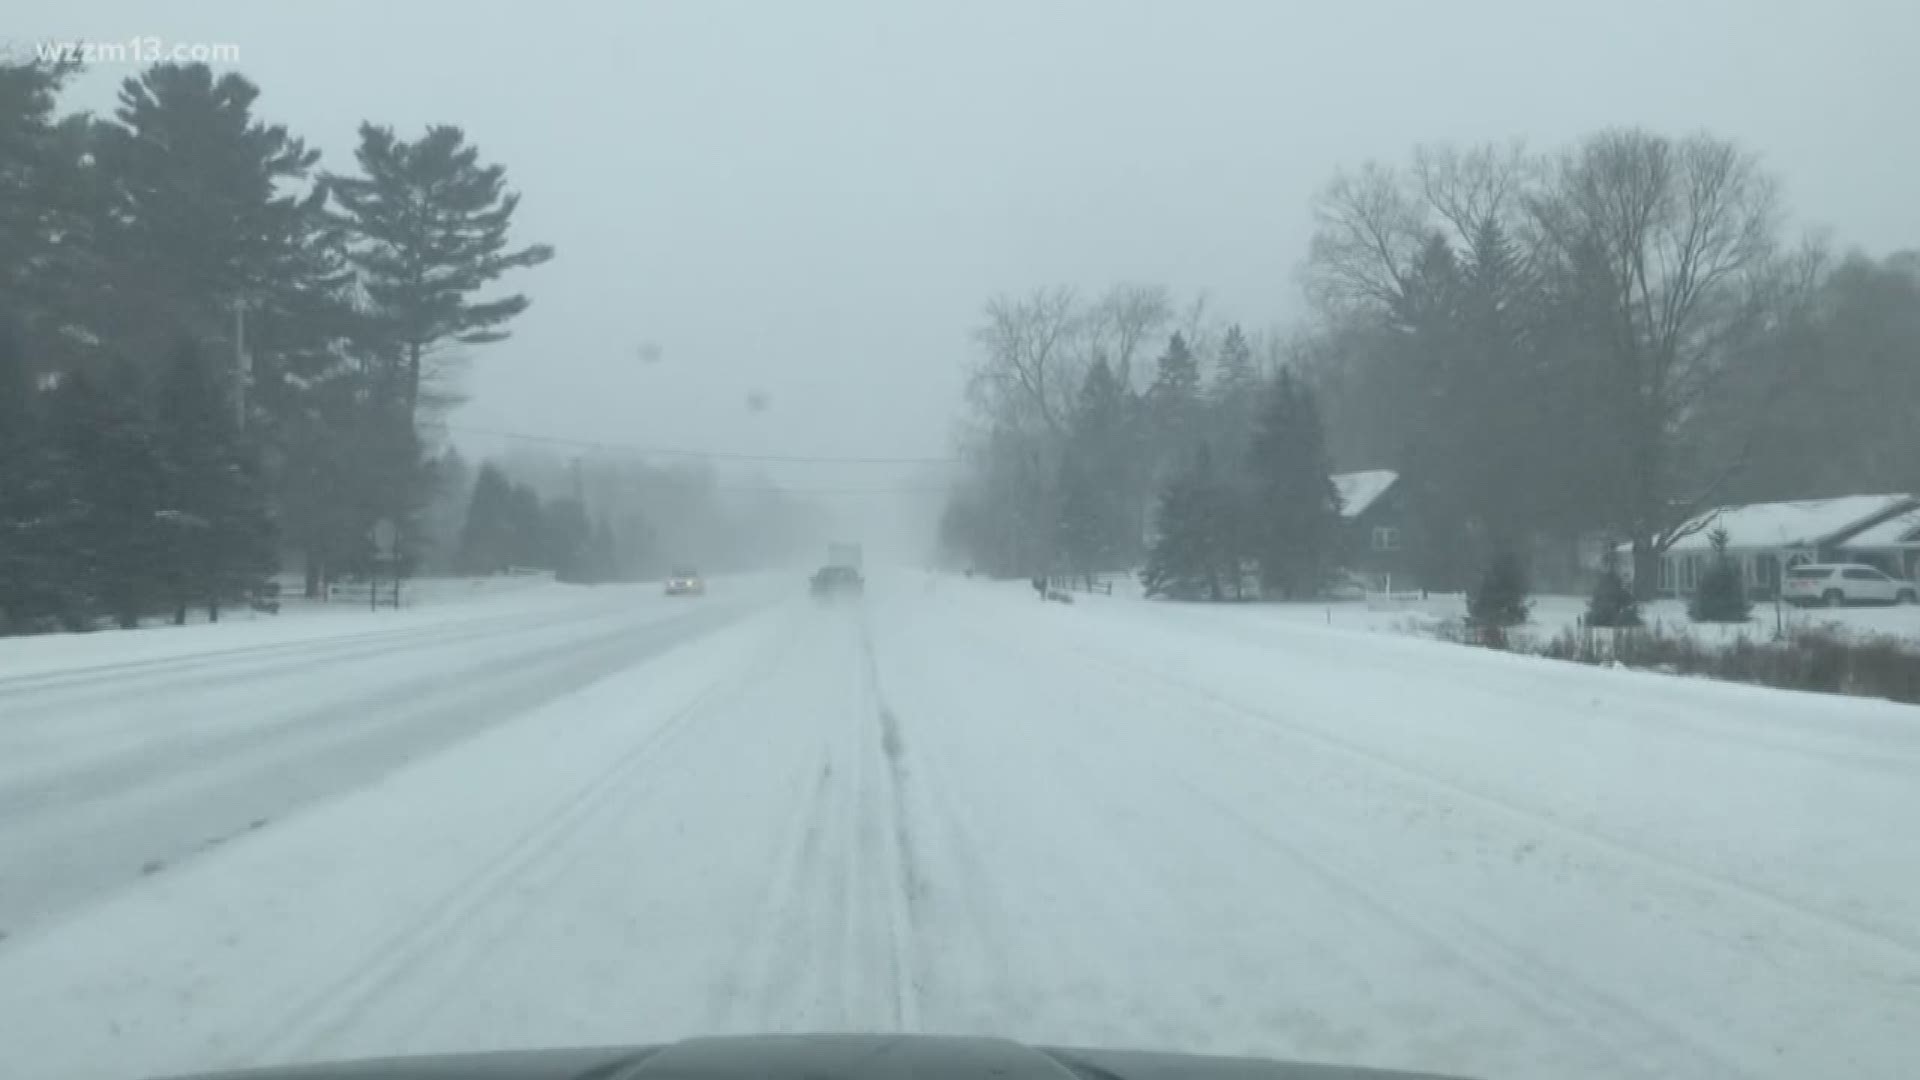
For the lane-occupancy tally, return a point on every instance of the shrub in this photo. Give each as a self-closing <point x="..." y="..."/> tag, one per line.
<point x="1612" y="603"/>
<point x="1500" y="600"/>
<point x="1820" y="660"/>
<point x="1722" y="595"/>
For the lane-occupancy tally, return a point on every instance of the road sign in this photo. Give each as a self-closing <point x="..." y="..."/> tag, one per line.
<point x="384" y="535"/>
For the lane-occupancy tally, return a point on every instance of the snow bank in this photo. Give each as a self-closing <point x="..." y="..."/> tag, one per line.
<point x="435" y="602"/>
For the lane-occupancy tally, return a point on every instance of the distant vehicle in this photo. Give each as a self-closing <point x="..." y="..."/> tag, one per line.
<point x="832" y="581"/>
<point x="844" y="555"/>
<point x="1834" y="584"/>
<point x="686" y="581"/>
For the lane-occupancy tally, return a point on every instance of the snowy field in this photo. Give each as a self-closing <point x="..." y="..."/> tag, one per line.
<point x="953" y="808"/>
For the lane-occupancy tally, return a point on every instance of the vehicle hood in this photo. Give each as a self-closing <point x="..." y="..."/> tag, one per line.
<point x="820" y="1057"/>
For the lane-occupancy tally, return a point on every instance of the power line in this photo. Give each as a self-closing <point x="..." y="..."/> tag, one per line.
<point x="712" y="455"/>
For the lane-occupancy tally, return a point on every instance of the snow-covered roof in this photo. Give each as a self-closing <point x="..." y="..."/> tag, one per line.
<point x="1790" y="524"/>
<point x="1358" y="490"/>
<point x="1893" y="532"/>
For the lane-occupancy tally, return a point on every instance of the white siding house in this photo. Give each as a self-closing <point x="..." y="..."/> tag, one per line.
<point x="1893" y="545"/>
<point x="1766" y="538"/>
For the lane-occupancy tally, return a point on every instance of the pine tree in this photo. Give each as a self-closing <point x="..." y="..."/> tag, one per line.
<point x="28" y="91"/>
<point x="205" y="207"/>
<point x="313" y="397"/>
<point x="567" y="540"/>
<point x="1079" y="543"/>
<point x="429" y="225"/>
<point x="1500" y="600"/>
<point x="451" y="482"/>
<point x="1722" y="593"/>
<point x="28" y="588"/>
<point x="1233" y="398"/>
<point x="1234" y="377"/>
<point x="109" y="534"/>
<point x="1192" y="556"/>
<point x="1091" y="486"/>
<point x="1292" y="513"/>
<point x="224" y="538"/>
<point x="487" y="540"/>
<point x="527" y="529"/>
<point x="1612" y="603"/>
<point x="51" y="200"/>
<point x="1172" y="406"/>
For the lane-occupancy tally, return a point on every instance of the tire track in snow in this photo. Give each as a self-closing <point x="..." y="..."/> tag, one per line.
<point x="70" y="843"/>
<point x="1552" y="993"/>
<point x="331" y="1012"/>
<point x="834" y="945"/>
<point x="827" y="949"/>
<point x="1880" y="939"/>
<point x="1102" y="874"/>
<point x="908" y="882"/>
<point x="970" y="894"/>
<point x="1557" y="996"/>
<point x="190" y="748"/>
<point x="1906" y="950"/>
<point x="1575" y="1004"/>
<point x="761" y="958"/>
<point x="960" y="927"/>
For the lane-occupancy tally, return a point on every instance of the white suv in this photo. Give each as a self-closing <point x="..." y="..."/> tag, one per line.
<point x="1834" y="584"/>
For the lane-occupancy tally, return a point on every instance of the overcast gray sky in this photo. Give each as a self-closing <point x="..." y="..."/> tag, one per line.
<point x="812" y="198"/>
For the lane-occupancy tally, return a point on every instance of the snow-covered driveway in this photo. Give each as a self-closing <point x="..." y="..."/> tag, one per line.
<point x="952" y="808"/>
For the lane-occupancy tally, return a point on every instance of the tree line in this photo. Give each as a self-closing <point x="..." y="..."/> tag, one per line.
<point x="529" y="509"/>
<point x="214" y="350"/>
<point x="1593" y="343"/>
<point x="1092" y="446"/>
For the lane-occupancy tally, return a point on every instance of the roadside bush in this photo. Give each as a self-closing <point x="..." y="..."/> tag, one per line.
<point x="1819" y="660"/>
<point x="1500" y="600"/>
<point x="1612" y="603"/>
<point x="1722" y="595"/>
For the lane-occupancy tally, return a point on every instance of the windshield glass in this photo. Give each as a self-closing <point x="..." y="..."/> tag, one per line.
<point x="1239" y="527"/>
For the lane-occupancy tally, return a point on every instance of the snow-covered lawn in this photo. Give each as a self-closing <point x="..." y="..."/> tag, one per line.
<point x="1551" y="614"/>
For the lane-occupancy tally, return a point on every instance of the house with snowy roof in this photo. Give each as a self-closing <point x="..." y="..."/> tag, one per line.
<point x="1374" y="533"/>
<point x="1767" y="538"/>
<point x="1892" y="545"/>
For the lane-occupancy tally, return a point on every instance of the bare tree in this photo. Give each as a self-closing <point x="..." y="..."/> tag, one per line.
<point x="1475" y="188"/>
<point x="1202" y="329"/>
<point x="1126" y="319"/>
<point x="1369" y="232"/>
<point x="1029" y="368"/>
<point x="1670" y="239"/>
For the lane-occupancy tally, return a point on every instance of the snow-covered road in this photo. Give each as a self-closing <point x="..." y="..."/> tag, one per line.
<point x="121" y="755"/>
<point x="950" y="808"/>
